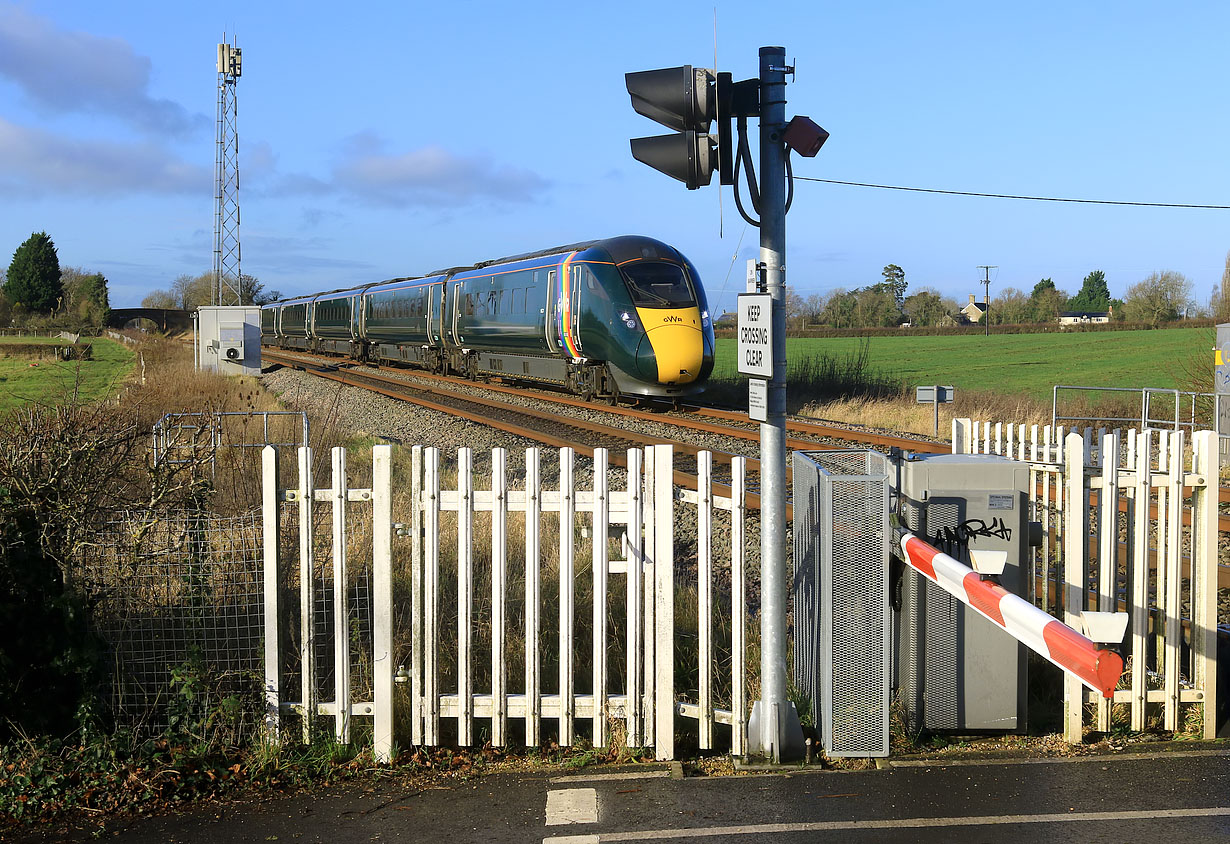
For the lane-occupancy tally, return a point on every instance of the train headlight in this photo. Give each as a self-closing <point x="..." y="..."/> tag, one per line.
<point x="628" y="319"/>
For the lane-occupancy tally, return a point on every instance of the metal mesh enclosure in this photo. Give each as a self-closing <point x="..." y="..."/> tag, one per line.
<point x="178" y="594"/>
<point x="842" y="620"/>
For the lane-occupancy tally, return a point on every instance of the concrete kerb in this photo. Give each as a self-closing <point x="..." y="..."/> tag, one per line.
<point x="1144" y="751"/>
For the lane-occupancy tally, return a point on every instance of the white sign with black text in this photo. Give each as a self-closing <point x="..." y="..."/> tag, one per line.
<point x="758" y="399"/>
<point x="756" y="334"/>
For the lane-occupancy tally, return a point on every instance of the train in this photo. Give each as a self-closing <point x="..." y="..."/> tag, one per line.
<point x="617" y="317"/>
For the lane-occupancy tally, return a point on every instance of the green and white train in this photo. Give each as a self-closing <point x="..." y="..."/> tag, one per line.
<point x="624" y="316"/>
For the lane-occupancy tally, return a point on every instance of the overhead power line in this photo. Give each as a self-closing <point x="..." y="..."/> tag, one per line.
<point x="1017" y="196"/>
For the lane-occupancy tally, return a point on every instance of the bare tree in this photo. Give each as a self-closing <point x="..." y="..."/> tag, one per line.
<point x="1162" y="297"/>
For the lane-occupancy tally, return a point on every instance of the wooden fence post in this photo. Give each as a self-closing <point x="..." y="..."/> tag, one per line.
<point x="306" y="496"/>
<point x="664" y="602"/>
<point x="1075" y="564"/>
<point x="382" y="599"/>
<point x="270" y="526"/>
<point x="1207" y="459"/>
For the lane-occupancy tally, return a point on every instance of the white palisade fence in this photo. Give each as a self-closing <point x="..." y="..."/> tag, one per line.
<point x="521" y="611"/>
<point x="1130" y="524"/>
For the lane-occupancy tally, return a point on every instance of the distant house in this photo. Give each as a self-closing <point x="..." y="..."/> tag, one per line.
<point x="975" y="310"/>
<point x="1083" y="317"/>
<point x="726" y="320"/>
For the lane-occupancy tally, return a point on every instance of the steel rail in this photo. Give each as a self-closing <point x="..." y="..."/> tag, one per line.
<point x="402" y="394"/>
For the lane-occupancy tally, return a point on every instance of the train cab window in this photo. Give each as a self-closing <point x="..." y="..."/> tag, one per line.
<point x="656" y="284"/>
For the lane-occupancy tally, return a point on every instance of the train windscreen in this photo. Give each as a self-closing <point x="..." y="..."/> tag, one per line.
<point x="654" y="284"/>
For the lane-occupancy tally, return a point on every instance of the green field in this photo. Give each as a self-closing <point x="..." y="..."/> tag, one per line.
<point x="53" y="382"/>
<point x="1024" y="364"/>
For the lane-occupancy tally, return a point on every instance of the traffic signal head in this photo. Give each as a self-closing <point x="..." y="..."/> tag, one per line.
<point x="689" y="157"/>
<point x="680" y="98"/>
<point x="684" y="99"/>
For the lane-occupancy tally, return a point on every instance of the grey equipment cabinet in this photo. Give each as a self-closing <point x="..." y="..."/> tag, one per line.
<point x="955" y="670"/>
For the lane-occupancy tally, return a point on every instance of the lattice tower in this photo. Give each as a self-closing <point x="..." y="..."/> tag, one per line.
<point x="226" y="179"/>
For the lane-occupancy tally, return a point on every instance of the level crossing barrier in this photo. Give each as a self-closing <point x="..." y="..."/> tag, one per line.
<point x="1098" y="668"/>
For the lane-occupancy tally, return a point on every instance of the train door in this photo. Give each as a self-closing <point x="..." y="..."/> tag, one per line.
<point x="435" y="312"/>
<point x="552" y="317"/>
<point x="575" y="288"/>
<point x="456" y="309"/>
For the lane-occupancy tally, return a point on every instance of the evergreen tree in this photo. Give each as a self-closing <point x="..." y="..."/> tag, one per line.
<point x="1094" y="295"/>
<point x="895" y="283"/>
<point x="34" y="275"/>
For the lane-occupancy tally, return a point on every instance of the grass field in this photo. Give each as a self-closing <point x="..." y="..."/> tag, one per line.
<point x="52" y="382"/>
<point x="1028" y="365"/>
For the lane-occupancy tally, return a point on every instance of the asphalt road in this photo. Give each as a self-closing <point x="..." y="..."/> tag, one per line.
<point x="1163" y="797"/>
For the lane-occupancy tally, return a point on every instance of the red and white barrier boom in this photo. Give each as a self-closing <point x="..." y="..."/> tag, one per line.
<point x="1098" y="668"/>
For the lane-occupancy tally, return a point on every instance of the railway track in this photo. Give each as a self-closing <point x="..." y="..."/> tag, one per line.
<point x="705" y="420"/>
<point x="573" y="425"/>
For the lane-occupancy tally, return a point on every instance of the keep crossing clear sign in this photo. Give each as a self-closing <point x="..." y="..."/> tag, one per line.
<point x="756" y="334"/>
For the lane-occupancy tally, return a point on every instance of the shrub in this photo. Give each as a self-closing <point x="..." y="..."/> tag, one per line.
<point x="61" y="469"/>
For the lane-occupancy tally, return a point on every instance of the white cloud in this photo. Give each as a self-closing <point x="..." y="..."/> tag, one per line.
<point x="76" y="72"/>
<point x="34" y="162"/>
<point x="431" y="176"/>
<point x="428" y="177"/>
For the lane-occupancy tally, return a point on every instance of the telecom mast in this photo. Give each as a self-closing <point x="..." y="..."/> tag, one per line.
<point x="226" y="179"/>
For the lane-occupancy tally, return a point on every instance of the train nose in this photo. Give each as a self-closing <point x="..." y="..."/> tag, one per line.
<point x="672" y="354"/>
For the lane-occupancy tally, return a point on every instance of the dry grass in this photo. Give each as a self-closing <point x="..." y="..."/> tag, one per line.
<point x="907" y="416"/>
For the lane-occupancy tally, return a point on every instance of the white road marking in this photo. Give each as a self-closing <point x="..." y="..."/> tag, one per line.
<point x="572" y="805"/>
<point x="904" y="823"/>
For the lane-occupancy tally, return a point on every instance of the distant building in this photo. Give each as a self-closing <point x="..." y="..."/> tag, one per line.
<point x="726" y="320"/>
<point x="1083" y="317"/>
<point x="975" y="310"/>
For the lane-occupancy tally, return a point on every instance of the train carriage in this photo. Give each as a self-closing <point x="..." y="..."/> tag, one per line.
<point x="335" y="322"/>
<point x="402" y="321"/>
<point x="269" y="326"/>
<point x="605" y="318"/>
<point x="294" y="323"/>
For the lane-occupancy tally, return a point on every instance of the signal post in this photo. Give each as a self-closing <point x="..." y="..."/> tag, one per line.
<point x="687" y="100"/>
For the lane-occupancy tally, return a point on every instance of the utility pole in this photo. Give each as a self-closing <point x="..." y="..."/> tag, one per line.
<point x="986" y="296"/>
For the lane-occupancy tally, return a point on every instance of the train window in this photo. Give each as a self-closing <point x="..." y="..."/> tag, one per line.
<point x="656" y="284"/>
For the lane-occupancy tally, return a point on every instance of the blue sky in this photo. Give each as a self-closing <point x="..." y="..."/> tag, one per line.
<point x="379" y="140"/>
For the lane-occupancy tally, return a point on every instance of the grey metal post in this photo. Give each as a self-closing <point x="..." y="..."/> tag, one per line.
<point x="774" y="728"/>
